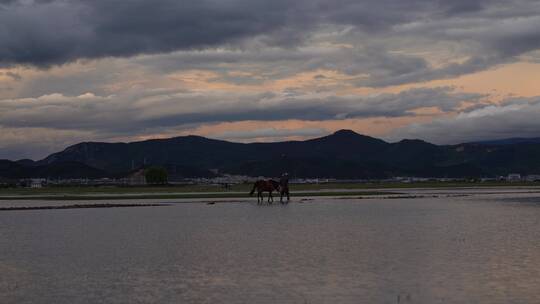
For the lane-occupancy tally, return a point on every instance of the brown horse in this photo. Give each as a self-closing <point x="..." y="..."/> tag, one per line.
<point x="262" y="186"/>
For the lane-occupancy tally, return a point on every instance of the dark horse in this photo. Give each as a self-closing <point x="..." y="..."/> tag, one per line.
<point x="262" y="186"/>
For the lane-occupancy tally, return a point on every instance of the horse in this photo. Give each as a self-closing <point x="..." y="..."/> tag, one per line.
<point x="262" y="186"/>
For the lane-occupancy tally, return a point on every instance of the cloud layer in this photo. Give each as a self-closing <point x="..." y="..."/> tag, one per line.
<point x="479" y="32"/>
<point x="127" y="69"/>
<point x="144" y="109"/>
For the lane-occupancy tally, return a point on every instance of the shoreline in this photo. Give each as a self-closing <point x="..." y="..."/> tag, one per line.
<point x="79" y="206"/>
<point x="81" y="202"/>
<point x="206" y="195"/>
<point x="242" y="192"/>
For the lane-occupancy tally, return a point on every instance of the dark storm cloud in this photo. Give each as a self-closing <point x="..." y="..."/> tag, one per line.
<point x="56" y="31"/>
<point x="52" y="32"/>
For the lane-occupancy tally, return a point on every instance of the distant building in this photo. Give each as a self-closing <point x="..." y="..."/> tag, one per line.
<point x="532" y="178"/>
<point x="36" y="183"/>
<point x="513" y="177"/>
<point x="489" y="179"/>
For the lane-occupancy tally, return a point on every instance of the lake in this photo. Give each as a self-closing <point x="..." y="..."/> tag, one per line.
<point x="471" y="249"/>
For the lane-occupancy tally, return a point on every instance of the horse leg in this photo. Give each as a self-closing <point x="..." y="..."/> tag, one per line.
<point x="270" y="198"/>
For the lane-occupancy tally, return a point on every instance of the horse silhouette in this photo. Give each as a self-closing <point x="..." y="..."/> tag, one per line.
<point x="265" y="186"/>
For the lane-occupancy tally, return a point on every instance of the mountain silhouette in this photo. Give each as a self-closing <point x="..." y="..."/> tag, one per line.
<point x="343" y="154"/>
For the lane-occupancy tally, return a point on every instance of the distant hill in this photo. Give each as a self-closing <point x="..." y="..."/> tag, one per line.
<point x="10" y="169"/>
<point x="509" y="141"/>
<point x="343" y="154"/>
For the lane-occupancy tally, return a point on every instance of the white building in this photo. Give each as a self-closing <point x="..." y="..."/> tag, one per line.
<point x="513" y="177"/>
<point x="532" y="178"/>
<point x="36" y="182"/>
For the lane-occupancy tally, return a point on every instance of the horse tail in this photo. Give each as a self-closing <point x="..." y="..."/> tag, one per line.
<point x="253" y="190"/>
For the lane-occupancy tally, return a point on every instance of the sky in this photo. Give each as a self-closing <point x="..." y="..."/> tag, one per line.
<point x="265" y="70"/>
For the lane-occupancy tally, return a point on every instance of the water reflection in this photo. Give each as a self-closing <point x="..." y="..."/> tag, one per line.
<point x="445" y="250"/>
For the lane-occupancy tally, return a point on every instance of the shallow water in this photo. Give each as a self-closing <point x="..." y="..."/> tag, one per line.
<point x="438" y="250"/>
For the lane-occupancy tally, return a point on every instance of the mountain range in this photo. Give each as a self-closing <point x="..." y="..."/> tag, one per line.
<point x="343" y="155"/>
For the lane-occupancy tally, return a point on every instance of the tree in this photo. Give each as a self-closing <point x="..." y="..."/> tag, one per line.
<point x="156" y="176"/>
